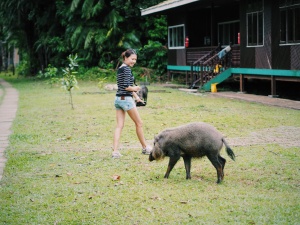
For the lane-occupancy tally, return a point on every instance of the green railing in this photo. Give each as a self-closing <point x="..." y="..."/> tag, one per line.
<point x="292" y="74"/>
<point x="295" y="74"/>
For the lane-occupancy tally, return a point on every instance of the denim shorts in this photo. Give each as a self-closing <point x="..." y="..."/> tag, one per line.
<point x="126" y="104"/>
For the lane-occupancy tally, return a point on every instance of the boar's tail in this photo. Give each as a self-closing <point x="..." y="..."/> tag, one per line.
<point x="229" y="151"/>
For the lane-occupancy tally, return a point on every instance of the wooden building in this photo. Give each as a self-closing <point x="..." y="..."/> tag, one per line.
<point x="212" y="40"/>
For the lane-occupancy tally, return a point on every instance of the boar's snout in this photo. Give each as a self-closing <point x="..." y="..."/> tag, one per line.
<point x="151" y="158"/>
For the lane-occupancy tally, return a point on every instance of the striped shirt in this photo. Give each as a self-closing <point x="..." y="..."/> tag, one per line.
<point x="124" y="80"/>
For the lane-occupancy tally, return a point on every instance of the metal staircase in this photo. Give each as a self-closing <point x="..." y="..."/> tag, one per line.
<point x="210" y="66"/>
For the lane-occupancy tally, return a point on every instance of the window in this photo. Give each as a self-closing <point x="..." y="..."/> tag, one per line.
<point x="176" y="36"/>
<point x="255" y="23"/>
<point x="289" y="21"/>
<point x="228" y="32"/>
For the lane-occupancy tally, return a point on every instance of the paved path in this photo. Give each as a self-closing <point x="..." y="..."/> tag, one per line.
<point x="8" y="108"/>
<point x="266" y="100"/>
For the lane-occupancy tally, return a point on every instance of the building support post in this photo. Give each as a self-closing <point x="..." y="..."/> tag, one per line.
<point x="273" y="88"/>
<point x="242" y="83"/>
<point x="201" y="74"/>
<point x="186" y="78"/>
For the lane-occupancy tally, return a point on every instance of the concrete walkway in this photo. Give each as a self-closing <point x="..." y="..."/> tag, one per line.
<point x="266" y="100"/>
<point x="8" y="108"/>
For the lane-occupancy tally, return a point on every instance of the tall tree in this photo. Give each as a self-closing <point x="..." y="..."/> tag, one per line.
<point x="30" y="24"/>
<point x="97" y="30"/>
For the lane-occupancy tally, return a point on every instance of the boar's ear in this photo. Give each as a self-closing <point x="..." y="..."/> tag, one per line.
<point x="156" y="138"/>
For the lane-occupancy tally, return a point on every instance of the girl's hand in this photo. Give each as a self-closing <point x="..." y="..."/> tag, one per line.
<point x="140" y="100"/>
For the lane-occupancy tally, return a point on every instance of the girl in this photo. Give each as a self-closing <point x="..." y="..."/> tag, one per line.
<point x="124" y="102"/>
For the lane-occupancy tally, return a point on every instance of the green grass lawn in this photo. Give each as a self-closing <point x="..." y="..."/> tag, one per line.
<point x="60" y="170"/>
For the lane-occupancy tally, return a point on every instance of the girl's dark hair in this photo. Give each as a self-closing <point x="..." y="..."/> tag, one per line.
<point x="128" y="53"/>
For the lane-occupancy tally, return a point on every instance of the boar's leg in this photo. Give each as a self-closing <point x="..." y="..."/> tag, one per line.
<point x="214" y="160"/>
<point x="172" y="162"/>
<point x="187" y="164"/>
<point x="222" y="161"/>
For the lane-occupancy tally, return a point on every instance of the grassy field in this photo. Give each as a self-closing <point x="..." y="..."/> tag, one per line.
<point x="60" y="170"/>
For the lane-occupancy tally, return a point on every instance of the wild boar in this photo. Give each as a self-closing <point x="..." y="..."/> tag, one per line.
<point x="193" y="140"/>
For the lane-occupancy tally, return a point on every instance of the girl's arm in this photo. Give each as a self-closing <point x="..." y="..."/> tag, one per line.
<point x="133" y="89"/>
<point x="137" y="98"/>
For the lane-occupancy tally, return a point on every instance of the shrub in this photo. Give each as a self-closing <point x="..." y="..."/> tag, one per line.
<point x="96" y="73"/>
<point x="69" y="80"/>
<point x="23" y="69"/>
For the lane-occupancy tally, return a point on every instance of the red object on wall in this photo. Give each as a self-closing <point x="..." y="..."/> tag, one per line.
<point x="239" y="38"/>
<point x="187" y="42"/>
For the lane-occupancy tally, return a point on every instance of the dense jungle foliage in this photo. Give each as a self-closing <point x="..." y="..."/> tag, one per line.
<point x="47" y="32"/>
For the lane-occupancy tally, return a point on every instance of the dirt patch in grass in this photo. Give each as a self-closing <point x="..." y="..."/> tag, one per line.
<point x="285" y="136"/>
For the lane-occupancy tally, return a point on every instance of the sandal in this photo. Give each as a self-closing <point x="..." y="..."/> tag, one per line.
<point x="147" y="150"/>
<point x="116" y="155"/>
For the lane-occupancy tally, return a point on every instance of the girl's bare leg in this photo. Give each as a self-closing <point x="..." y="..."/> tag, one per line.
<point x="120" y="114"/>
<point x="135" y="116"/>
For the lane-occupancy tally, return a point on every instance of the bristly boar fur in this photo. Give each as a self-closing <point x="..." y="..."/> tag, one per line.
<point x="193" y="140"/>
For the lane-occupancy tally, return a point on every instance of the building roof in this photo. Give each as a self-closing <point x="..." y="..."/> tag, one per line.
<point x="169" y="4"/>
